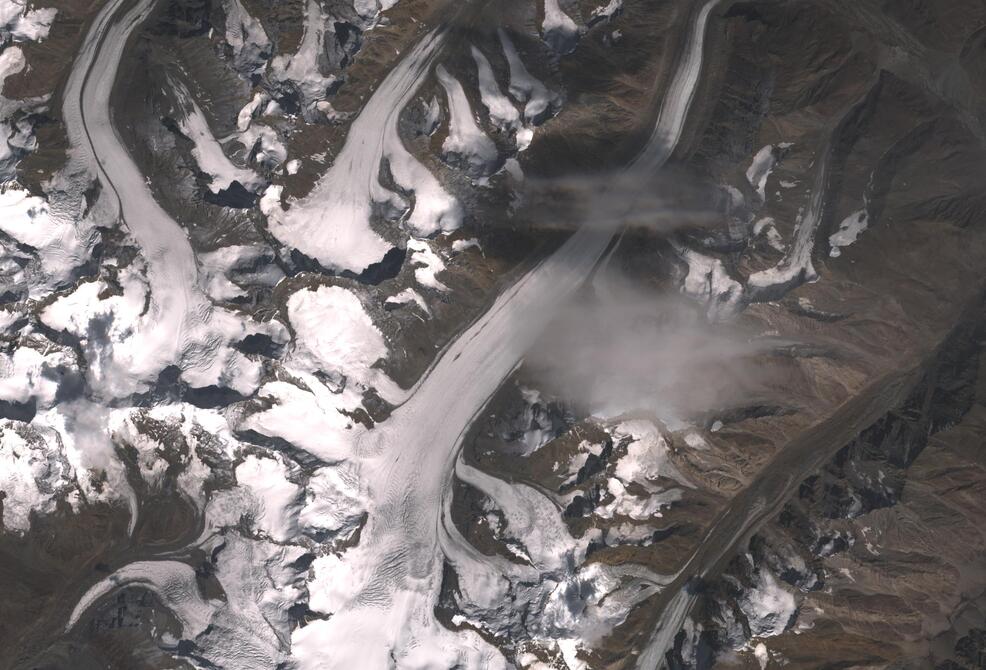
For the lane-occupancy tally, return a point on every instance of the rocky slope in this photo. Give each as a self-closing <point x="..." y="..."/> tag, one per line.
<point x="518" y="333"/>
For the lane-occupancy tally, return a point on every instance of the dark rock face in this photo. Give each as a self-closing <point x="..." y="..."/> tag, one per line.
<point x="831" y="513"/>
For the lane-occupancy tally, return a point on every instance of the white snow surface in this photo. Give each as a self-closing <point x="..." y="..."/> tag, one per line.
<point x="246" y="36"/>
<point x="335" y="347"/>
<point x="371" y="9"/>
<point x="333" y="503"/>
<point x="33" y="473"/>
<point x="606" y="12"/>
<point x="524" y="87"/>
<point x="31" y="371"/>
<point x="849" y="231"/>
<point x="244" y="262"/>
<point x="335" y="335"/>
<point x="502" y="112"/>
<point x="20" y="22"/>
<point x="708" y="281"/>
<point x="332" y="223"/>
<point x="768" y="607"/>
<point x="249" y="110"/>
<point x="648" y="454"/>
<point x="760" y="169"/>
<point x="301" y="68"/>
<point x="409" y="295"/>
<point x="466" y="146"/>
<point x="208" y="153"/>
<point x="427" y="264"/>
<point x="762" y="655"/>
<point x="559" y="30"/>
<point x="279" y="497"/>
<point x="458" y="246"/>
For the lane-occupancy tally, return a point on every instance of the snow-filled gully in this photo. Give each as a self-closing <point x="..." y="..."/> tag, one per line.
<point x="384" y="590"/>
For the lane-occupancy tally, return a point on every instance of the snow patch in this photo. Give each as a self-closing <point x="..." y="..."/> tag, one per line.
<point x="760" y="169"/>
<point x="427" y="264"/>
<point x="849" y="231"/>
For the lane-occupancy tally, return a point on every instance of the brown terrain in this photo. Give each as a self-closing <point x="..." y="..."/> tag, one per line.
<point x="851" y="466"/>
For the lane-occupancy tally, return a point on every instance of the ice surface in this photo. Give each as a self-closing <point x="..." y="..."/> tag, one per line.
<point x="21" y="24"/>
<point x="849" y="231"/>
<point x="301" y="68"/>
<point x="280" y="498"/>
<point x="768" y="607"/>
<point x="173" y="582"/>
<point x="768" y="228"/>
<point x="383" y="591"/>
<point x="178" y="325"/>
<point x="427" y="264"/>
<point x="532" y="519"/>
<point x="409" y="295"/>
<point x="524" y="87"/>
<point x="502" y="112"/>
<point x="796" y="267"/>
<point x="559" y="30"/>
<point x="466" y="145"/>
<point x="208" y="153"/>
<point x="246" y="36"/>
<point x="761" y="167"/>
<point x="33" y="473"/>
<point x="332" y="223"/>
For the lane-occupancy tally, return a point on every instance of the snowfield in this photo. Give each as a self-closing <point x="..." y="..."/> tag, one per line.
<point x="332" y="223"/>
